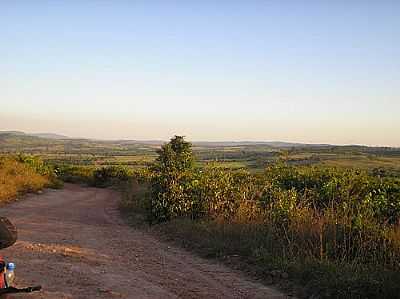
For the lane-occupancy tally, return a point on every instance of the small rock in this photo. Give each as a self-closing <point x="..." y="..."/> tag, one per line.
<point x="284" y="275"/>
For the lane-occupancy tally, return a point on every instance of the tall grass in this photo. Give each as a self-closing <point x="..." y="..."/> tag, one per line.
<point x="18" y="177"/>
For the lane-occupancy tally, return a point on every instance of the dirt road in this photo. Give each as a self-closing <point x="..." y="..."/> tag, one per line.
<point x="74" y="243"/>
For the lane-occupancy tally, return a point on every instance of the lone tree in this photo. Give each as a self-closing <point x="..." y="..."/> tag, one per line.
<point x="175" y="156"/>
<point x="172" y="179"/>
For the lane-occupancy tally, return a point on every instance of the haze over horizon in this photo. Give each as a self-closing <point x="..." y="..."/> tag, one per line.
<point x="303" y="71"/>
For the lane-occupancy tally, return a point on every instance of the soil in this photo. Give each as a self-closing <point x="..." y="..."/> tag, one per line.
<point x="74" y="243"/>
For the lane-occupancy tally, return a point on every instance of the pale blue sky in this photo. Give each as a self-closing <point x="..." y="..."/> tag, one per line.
<point x="307" y="71"/>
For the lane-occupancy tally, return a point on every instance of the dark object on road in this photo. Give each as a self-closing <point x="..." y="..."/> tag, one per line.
<point x="8" y="236"/>
<point x="8" y="233"/>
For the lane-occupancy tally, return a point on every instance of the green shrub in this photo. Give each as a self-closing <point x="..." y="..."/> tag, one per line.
<point x="110" y="175"/>
<point x="323" y="213"/>
<point x="75" y="174"/>
<point x="172" y="182"/>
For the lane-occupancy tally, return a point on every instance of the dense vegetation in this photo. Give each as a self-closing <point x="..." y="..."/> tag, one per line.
<point x="335" y="229"/>
<point x="22" y="174"/>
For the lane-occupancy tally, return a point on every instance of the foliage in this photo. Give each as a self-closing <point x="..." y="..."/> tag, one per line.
<point x="75" y="174"/>
<point x="255" y="249"/>
<point x="107" y="176"/>
<point x="319" y="214"/>
<point x="37" y="164"/>
<point x="99" y="177"/>
<point x="21" y="174"/>
<point x="172" y="181"/>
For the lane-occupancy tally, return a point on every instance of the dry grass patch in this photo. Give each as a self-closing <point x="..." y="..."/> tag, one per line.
<point x="18" y="178"/>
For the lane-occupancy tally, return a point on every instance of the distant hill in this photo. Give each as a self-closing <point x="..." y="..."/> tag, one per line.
<point x="35" y="142"/>
<point x="15" y="141"/>
<point x="50" y="136"/>
<point x="208" y="144"/>
<point x="275" y="144"/>
<point x="41" y="135"/>
<point x="16" y="133"/>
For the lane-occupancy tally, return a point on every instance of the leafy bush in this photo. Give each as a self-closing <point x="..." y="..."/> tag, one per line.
<point x="107" y="176"/>
<point x="75" y="174"/>
<point x="321" y="213"/>
<point x="18" y="176"/>
<point x="37" y="164"/>
<point x="172" y="182"/>
<point x="99" y="177"/>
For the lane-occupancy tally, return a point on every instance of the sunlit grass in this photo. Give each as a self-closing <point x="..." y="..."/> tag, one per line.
<point x="17" y="178"/>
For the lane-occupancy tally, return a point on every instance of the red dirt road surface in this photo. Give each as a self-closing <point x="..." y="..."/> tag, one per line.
<point x="74" y="243"/>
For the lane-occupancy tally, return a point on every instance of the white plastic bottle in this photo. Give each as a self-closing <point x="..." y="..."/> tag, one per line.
<point x="10" y="274"/>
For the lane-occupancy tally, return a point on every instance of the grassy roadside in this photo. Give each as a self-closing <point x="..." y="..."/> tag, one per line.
<point x="254" y="249"/>
<point x="20" y="175"/>
<point x="251" y="249"/>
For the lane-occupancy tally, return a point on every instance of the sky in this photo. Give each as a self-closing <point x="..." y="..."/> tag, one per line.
<point x="301" y="71"/>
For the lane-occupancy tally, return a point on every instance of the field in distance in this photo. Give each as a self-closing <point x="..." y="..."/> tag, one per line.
<point x="234" y="155"/>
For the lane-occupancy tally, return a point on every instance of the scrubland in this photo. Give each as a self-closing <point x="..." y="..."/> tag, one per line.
<point x="23" y="174"/>
<point x="334" y="231"/>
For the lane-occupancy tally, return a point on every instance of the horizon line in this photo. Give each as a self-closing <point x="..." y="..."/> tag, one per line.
<point x="196" y="141"/>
